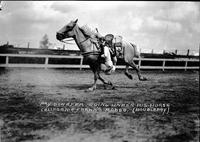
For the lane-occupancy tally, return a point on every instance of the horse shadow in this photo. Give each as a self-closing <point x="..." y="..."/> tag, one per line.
<point x="77" y="86"/>
<point x="86" y="86"/>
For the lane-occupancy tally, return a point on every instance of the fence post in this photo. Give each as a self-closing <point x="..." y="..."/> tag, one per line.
<point x="186" y="65"/>
<point x="139" y="64"/>
<point x="46" y="62"/>
<point x="199" y="49"/>
<point x="188" y="52"/>
<point x="7" y="60"/>
<point x="28" y="45"/>
<point x="163" y="66"/>
<point x="81" y="63"/>
<point x="176" y="51"/>
<point x="163" y="51"/>
<point x="1" y="126"/>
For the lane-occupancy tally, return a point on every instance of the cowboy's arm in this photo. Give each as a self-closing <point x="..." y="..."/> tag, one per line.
<point x="103" y="56"/>
<point x="106" y="51"/>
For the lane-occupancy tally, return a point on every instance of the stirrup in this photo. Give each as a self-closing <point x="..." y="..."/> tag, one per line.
<point x="110" y="70"/>
<point x="113" y="68"/>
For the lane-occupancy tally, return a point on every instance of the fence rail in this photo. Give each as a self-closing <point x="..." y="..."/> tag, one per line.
<point x="80" y="66"/>
<point x="142" y="50"/>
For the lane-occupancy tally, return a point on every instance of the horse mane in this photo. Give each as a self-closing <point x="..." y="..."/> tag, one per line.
<point x="87" y="31"/>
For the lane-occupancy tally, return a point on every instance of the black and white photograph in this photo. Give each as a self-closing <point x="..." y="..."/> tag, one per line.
<point x="99" y="71"/>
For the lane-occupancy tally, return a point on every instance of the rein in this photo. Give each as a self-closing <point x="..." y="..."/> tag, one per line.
<point x="67" y="41"/>
<point x="84" y="53"/>
<point x="91" y="53"/>
<point x="84" y="40"/>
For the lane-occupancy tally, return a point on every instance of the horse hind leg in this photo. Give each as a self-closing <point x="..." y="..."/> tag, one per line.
<point x="127" y="73"/>
<point x="135" y="67"/>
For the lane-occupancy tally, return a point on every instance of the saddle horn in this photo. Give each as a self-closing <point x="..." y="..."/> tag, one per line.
<point x="76" y="21"/>
<point x="97" y="30"/>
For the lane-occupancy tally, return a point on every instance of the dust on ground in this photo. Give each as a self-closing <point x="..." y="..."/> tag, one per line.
<point x="23" y="93"/>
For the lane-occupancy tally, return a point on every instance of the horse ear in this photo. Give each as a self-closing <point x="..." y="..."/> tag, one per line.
<point x="76" y="21"/>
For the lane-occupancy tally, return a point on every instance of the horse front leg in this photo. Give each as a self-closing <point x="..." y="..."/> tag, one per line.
<point x="106" y="82"/>
<point x="94" y="86"/>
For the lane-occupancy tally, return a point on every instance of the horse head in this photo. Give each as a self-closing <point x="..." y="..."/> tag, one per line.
<point x="72" y="30"/>
<point x="66" y="31"/>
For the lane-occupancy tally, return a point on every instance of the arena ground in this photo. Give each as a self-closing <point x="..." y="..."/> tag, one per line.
<point x="52" y="105"/>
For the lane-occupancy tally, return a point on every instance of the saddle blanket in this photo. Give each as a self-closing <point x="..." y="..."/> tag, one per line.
<point x="118" y="45"/>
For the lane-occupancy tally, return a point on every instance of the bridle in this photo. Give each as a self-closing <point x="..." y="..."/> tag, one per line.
<point x="85" y="53"/>
<point x="67" y="40"/>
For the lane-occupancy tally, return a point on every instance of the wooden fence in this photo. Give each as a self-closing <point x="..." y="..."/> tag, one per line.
<point x="81" y="65"/>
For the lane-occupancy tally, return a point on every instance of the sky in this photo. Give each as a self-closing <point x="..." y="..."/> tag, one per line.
<point x="149" y="25"/>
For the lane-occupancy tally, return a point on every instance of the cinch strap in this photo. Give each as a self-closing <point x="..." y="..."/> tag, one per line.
<point x="90" y="53"/>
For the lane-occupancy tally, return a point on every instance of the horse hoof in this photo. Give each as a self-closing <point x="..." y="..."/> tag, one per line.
<point x="129" y="76"/>
<point x="114" y="88"/>
<point x="110" y="83"/>
<point x="107" y="73"/>
<point x="90" y="89"/>
<point x="143" y="79"/>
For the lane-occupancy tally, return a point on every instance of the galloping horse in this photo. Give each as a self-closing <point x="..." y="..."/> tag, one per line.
<point x="92" y="55"/>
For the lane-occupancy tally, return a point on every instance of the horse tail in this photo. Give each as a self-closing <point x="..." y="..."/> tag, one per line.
<point x="136" y="53"/>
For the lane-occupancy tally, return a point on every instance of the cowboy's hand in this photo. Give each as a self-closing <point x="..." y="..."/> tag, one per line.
<point x="103" y="55"/>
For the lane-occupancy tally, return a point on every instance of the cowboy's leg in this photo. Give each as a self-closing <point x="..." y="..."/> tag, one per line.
<point x="108" y="61"/>
<point x="114" y="60"/>
<point x="109" y="64"/>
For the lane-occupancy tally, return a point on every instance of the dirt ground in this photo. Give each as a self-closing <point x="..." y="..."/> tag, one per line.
<point x="52" y="106"/>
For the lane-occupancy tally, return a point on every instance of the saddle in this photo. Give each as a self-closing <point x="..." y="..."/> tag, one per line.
<point x="115" y="44"/>
<point x="94" y="37"/>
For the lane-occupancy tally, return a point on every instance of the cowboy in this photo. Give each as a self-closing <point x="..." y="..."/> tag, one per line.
<point x="107" y="56"/>
<point x="103" y="44"/>
<point x="109" y="53"/>
<point x="109" y="42"/>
